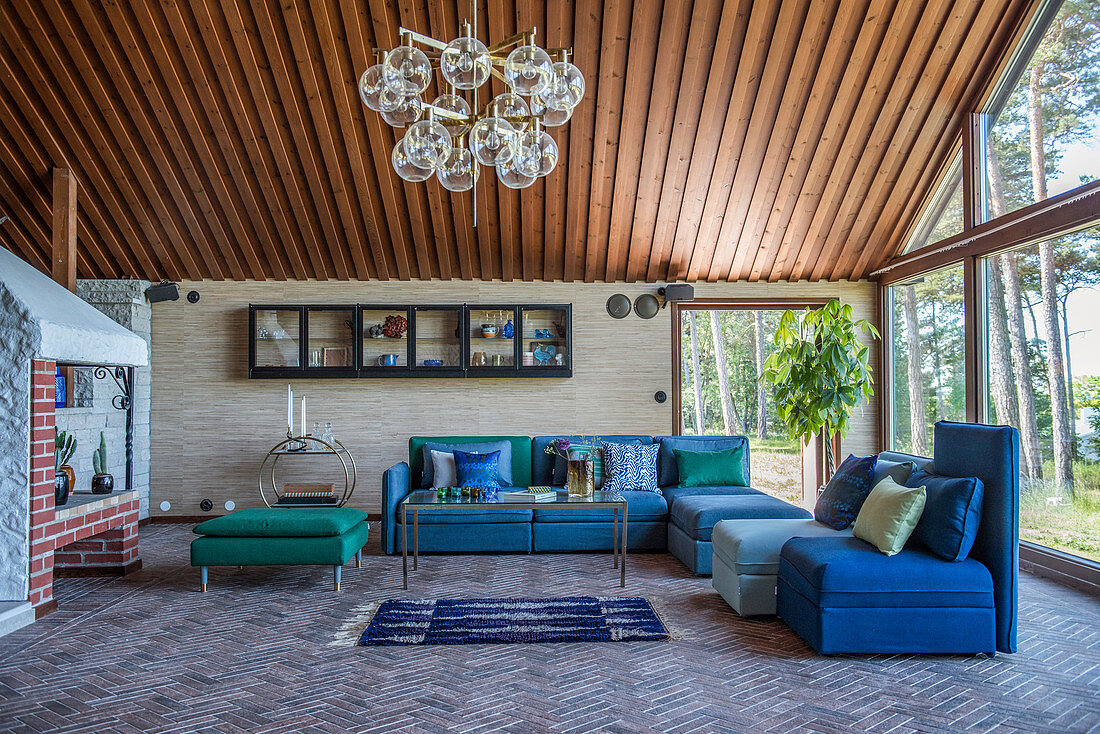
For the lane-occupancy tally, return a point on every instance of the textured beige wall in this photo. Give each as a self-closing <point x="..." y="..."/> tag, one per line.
<point x="211" y="425"/>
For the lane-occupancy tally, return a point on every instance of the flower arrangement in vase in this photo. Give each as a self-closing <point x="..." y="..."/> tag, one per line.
<point x="580" y="463"/>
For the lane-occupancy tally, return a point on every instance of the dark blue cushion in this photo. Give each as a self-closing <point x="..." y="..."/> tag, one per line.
<point x="952" y="514"/>
<point x="992" y="454"/>
<point x="849" y="572"/>
<point x="697" y="515"/>
<point x="640" y="505"/>
<point x="673" y="493"/>
<point x="477" y="471"/>
<point x="839" y="504"/>
<point x="899" y="471"/>
<point x="668" y="471"/>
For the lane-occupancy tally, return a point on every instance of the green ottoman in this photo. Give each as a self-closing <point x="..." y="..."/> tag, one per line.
<point x="314" y="536"/>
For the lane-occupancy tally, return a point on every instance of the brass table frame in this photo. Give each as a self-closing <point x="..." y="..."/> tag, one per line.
<point x="322" y="448"/>
<point x="409" y="504"/>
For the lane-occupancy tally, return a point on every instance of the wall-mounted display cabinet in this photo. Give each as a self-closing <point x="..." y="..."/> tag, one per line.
<point x="370" y="340"/>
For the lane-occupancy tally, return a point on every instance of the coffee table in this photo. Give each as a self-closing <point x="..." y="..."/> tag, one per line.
<point x="428" y="499"/>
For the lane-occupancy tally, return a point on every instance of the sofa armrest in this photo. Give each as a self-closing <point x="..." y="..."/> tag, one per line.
<point x="395" y="487"/>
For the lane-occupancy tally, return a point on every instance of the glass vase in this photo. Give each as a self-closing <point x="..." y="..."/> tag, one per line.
<point x="581" y="477"/>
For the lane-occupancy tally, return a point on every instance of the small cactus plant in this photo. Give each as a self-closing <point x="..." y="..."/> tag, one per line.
<point x="64" y="446"/>
<point x="99" y="456"/>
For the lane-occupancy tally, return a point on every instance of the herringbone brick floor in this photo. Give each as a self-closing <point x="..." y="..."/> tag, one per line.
<point x="148" y="653"/>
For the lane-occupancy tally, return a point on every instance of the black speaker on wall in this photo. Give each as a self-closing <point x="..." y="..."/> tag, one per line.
<point x="164" y="291"/>
<point x="674" y="292"/>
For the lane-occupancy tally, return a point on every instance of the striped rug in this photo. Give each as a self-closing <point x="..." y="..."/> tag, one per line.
<point x="479" y="621"/>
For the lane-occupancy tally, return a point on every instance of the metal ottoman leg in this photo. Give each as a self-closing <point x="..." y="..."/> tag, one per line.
<point x="202" y="578"/>
<point x="359" y="558"/>
<point x="336" y="573"/>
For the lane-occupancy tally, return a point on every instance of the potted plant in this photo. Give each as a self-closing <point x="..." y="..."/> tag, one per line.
<point x="64" y="446"/>
<point x="102" y="482"/>
<point x="820" y="372"/>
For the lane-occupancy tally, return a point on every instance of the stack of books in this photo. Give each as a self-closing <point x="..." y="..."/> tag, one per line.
<point x="531" y="494"/>
<point x="308" y="494"/>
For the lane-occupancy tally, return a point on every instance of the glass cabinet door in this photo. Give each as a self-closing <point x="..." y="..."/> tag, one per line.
<point x="545" y="339"/>
<point x="437" y="338"/>
<point x="385" y="344"/>
<point x="276" y="338"/>
<point x="493" y="336"/>
<point x="330" y="339"/>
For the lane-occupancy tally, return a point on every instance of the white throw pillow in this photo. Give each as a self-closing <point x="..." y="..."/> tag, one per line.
<point x="443" y="464"/>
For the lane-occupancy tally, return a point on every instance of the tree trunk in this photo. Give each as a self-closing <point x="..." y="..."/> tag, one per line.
<point x="1021" y="366"/>
<point x="917" y="419"/>
<point x="1002" y="384"/>
<point x="1069" y="376"/>
<point x="700" y="426"/>
<point x="937" y="365"/>
<point x="723" y="377"/>
<point x="761" y="395"/>
<point x="1056" y="376"/>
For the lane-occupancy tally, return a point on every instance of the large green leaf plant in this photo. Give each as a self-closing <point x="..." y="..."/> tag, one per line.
<point x="820" y="372"/>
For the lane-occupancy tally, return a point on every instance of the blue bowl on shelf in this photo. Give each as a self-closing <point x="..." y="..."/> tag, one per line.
<point x="433" y="362"/>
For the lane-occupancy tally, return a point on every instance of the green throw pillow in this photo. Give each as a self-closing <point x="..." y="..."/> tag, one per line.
<point x="889" y="515"/>
<point x="711" y="468"/>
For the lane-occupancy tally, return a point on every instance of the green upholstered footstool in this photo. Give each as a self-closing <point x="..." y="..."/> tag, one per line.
<point x="314" y="536"/>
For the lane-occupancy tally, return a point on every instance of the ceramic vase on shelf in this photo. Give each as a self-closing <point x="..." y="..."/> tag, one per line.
<point x="581" y="475"/>
<point x="508" y="330"/>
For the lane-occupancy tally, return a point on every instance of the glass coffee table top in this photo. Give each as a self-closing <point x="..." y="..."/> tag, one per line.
<point x="431" y="497"/>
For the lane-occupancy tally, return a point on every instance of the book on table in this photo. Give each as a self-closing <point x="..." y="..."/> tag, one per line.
<point x="531" y="494"/>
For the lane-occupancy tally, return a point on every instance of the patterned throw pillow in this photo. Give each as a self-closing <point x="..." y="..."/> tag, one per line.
<point x="839" y="504"/>
<point x="630" y="467"/>
<point x="477" y="471"/>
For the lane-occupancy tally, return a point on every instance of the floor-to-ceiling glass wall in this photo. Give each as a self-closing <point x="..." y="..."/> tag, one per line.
<point x="722" y="392"/>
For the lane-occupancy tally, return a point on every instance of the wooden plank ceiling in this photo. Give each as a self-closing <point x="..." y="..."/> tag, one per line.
<point x="718" y="140"/>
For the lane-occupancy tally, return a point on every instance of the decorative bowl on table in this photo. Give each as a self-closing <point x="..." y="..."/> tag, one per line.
<point x="489" y="331"/>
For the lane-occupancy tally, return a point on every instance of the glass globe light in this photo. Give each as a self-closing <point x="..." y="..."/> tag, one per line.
<point x="406" y="113"/>
<point x="407" y="70"/>
<point x="566" y="87"/>
<point x="427" y="144"/>
<point x="536" y="154"/>
<point x="492" y="141"/>
<point x="512" y="178"/>
<point x="459" y="172"/>
<point x="465" y="63"/>
<point x="405" y="168"/>
<point x="374" y="91"/>
<point x="510" y="105"/>
<point x="550" y="117"/>
<point x="528" y="69"/>
<point x="458" y="105"/>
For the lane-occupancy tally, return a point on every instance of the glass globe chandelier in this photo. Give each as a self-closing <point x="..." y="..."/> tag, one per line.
<point x="454" y="136"/>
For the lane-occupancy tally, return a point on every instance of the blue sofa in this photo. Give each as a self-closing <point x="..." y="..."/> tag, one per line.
<point x="680" y="519"/>
<point x="842" y="596"/>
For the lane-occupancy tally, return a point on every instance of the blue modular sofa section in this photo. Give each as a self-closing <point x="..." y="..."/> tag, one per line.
<point x="680" y="519"/>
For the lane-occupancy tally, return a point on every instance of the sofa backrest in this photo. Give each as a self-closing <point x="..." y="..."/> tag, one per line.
<point x="542" y="463"/>
<point x="668" y="472"/>
<point x="521" y="455"/>
<point x="992" y="454"/>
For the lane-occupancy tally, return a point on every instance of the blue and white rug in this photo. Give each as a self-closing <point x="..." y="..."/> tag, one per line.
<point x="480" y="621"/>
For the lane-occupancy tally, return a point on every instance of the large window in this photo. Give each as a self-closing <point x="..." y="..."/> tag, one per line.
<point x="944" y="215"/>
<point x="1043" y="127"/>
<point x="722" y="353"/>
<point x="927" y="357"/>
<point x="1044" y="378"/>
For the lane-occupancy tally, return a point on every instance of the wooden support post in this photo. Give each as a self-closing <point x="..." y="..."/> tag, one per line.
<point x="64" y="247"/>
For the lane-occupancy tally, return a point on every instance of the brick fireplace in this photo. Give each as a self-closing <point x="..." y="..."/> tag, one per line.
<point x="92" y="534"/>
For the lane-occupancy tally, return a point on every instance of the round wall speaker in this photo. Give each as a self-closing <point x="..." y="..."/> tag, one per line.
<point x="192" y="296"/>
<point x="165" y="506"/>
<point x="206" y="505"/>
<point x="647" y="306"/>
<point x="230" y="505"/>
<point x="618" y="306"/>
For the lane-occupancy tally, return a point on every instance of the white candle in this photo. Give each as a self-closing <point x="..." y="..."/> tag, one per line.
<point x="289" y="408"/>
<point x="303" y="416"/>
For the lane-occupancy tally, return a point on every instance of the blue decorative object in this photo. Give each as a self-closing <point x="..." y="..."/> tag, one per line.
<point x="477" y="471"/>
<point x="839" y="504"/>
<point x="59" y="389"/>
<point x="544" y="353"/>
<point x="509" y="330"/>
<point x="433" y="362"/>
<point x="543" y="334"/>
<point x="628" y="467"/>
<point x="481" y="621"/>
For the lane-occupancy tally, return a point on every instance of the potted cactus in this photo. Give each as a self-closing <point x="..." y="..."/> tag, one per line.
<point x="102" y="482"/>
<point x="64" y="446"/>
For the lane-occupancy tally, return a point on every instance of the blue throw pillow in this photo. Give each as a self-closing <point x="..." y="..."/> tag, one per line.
<point x="477" y="471"/>
<point x="630" y="467"/>
<point x="839" y="504"/>
<point x="952" y="513"/>
<point x="504" y="466"/>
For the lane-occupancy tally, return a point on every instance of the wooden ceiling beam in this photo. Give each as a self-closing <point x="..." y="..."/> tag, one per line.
<point x="500" y="23"/>
<point x="559" y="34"/>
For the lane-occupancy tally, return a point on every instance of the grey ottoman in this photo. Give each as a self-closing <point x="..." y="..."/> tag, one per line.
<point x="746" y="558"/>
